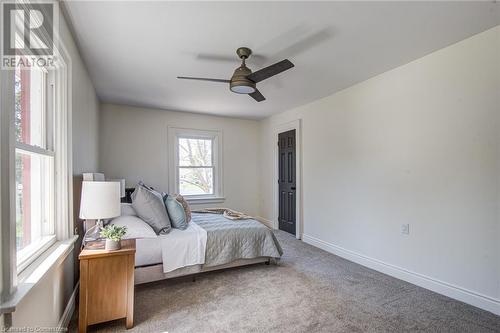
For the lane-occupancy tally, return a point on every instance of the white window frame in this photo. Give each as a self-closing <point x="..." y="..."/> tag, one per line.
<point x="30" y="253"/>
<point x="14" y="275"/>
<point x="174" y="133"/>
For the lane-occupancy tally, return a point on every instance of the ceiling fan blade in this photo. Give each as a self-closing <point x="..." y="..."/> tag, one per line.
<point x="217" y="57"/>
<point x="255" y="59"/>
<point x="202" y="79"/>
<point x="257" y="96"/>
<point x="269" y="71"/>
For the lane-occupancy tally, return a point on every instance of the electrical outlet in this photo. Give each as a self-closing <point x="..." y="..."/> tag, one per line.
<point x="405" y="229"/>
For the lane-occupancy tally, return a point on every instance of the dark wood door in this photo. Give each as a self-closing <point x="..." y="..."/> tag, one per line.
<point x="286" y="181"/>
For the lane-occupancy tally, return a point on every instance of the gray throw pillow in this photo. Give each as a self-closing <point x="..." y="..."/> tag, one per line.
<point x="176" y="212"/>
<point x="127" y="209"/>
<point x="149" y="206"/>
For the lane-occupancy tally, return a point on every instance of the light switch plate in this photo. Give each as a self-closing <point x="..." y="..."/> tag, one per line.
<point x="405" y="229"/>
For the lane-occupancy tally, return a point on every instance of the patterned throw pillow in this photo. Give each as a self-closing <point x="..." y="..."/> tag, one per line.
<point x="185" y="205"/>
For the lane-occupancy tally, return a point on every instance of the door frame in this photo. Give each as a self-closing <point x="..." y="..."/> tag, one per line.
<point x="292" y="125"/>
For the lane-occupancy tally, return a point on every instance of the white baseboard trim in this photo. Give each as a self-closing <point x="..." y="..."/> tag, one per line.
<point x="266" y="222"/>
<point x="70" y="308"/>
<point x="467" y="296"/>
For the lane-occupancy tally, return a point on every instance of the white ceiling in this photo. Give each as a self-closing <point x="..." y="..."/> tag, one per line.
<point x="135" y="50"/>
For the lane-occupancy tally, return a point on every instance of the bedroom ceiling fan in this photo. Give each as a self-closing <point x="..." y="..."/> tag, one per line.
<point x="243" y="80"/>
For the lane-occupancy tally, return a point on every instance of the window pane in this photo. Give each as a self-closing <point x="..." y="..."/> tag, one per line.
<point x="196" y="181"/>
<point x="29" y="106"/>
<point x="34" y="200"/>
<point x="195" y="152"/>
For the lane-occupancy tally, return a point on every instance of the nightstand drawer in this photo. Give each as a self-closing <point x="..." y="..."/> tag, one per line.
<point x="108" y="294"/>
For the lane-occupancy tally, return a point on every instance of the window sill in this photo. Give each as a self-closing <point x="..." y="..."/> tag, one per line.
<point x="207" y="200"/>
<point x="29" y="254"/>
<point x="34" y="272"/>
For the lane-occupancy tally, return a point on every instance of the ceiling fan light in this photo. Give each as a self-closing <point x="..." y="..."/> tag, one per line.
<point x="242" y="89"/>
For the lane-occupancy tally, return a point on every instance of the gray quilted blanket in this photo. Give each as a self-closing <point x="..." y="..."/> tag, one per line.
<point x="229" y="240"/>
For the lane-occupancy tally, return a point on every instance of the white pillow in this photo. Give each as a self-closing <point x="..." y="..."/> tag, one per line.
<point x="136" y="228"/>
<point x="127" y="209"/>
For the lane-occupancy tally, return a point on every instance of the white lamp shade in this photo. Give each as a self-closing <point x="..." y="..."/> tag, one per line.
<point x="100" y="200"/>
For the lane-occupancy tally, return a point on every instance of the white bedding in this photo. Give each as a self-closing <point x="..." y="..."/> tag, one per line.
<point x="148" y="251"/>
<point x="178" y="248"/>
<point x="181" y="248"/>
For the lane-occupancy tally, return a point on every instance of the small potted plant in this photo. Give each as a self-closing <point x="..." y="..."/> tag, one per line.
<point x="113" y="235"/>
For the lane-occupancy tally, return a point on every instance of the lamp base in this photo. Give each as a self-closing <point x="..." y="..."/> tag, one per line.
<point x="93" y="234"/>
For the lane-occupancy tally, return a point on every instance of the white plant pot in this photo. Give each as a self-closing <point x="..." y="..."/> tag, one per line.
<point x="112" y="245"/>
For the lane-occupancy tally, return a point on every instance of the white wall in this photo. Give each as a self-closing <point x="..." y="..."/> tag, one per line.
<point x="134" y="146"/>
<point x="419" y="144"/>
<point x="85" y="117"/>
<point x="45" y="303"/>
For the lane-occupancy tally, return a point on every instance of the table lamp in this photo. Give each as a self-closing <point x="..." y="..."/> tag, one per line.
<point x="100" y="200"/>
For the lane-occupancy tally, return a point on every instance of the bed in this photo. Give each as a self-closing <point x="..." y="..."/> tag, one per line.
<point x="229" y="243"/>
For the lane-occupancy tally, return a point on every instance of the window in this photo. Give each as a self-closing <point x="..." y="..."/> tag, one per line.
<point x="196" y="168"/>
<point x="35" y="167"/>
<point x="34" y="164"/>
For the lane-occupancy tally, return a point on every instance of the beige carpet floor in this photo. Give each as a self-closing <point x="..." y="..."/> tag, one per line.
<point x="309" y="291"/>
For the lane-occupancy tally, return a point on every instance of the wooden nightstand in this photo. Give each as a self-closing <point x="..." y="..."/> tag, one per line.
<point x="106" y="285"/>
